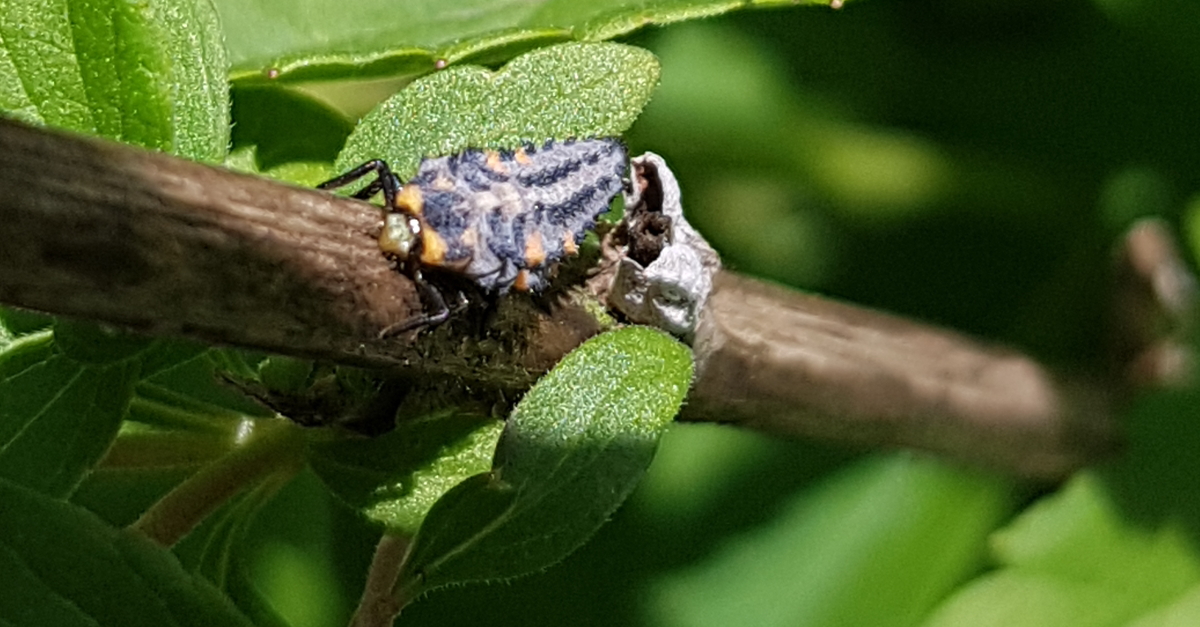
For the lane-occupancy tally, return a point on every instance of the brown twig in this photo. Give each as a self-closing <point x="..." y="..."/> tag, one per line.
<point x="274" y="448"/>
<point x="783" y="362"/>
<point x="167" y="246"/>
<point x="378" y="606"/>
<point x="111" y="233"/>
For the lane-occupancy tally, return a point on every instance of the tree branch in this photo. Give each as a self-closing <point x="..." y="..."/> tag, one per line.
<point x="168" y="247"/>
<point x="783" y="362"/>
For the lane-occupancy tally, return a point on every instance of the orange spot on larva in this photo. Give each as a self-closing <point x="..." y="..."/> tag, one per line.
<point x="535" y="251"/>
<point x="494" y="163"/>
<point x="409" y="200"/>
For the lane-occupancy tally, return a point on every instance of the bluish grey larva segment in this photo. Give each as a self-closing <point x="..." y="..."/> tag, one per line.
<point x="487" y="212"/>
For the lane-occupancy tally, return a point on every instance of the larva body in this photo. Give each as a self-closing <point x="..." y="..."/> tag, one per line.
<point x="505" y="218"/>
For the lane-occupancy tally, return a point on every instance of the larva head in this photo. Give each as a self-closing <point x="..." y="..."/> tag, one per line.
<point x="401" y="234"/>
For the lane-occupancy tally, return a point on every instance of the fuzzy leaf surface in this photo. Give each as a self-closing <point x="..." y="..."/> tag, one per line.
<point x="572" y="90"/>
<point x="396" y="478"/>
<point x="153" y="74"/>
<point x="572" y="450"/>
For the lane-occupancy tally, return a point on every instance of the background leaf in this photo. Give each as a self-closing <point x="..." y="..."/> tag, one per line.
<point x="151" y="74"/>
<point x="53" y="554"/>
<point x="63" y="397"/>
<point x="322" y="40"/>
<point x="1117" y="545"/>
<point x="571" y="90"/>
<point x="919" y="528"/>
<point x="57" y="415"/>
<point x="573" y="449"/>
<point x="286" y="126"/>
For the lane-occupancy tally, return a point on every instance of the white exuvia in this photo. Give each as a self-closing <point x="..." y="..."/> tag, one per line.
<point x="671" y="291"/>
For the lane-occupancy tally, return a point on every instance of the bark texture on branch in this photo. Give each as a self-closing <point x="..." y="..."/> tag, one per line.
<point x="169" y="247"/>
<point x="783" y="362"/>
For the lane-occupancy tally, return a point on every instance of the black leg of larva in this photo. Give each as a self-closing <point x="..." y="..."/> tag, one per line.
<point x="433" y="300"/>
<point x="368" y="191"/>
<point x="461" y="305"/>
<point x="385" y="180"/>
<point x="375" y="166"/>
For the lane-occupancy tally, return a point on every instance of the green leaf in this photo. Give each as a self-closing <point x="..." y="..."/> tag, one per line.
<point x="14" y="322"/>
<point x="63" y="396"/>
<point x="325" y="40"/>
<point x="571" y="452"/>
<point x="572" y="90"/>
<point x="53" y="554"/>
<point x="91" y="343"/>
<point x="1080" y="534"/>
<point x="220" y="545"/>
<point x="198" y="393"/>
<point x="146" y="73"/>
<point x="166" y="354"/>
<point x="1191" y="226"/>
<point x="303" y="173"/>
<point x="57" y="415"/>
<point x="25" y="351"/>
<point x="1172" y="26"/>
<point x="396" y="478"/>
<point x="286" y="374"/>
<point x="199" y="78"/>
<point x="41" y="80"/>
<point x="878" y="544"/>
<point x="1114" y="545"/>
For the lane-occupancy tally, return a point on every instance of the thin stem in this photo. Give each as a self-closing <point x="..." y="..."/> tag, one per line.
<point x="379" y="607"/>
<point x="164" y="449"/>
<point x="274" y="446"/>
